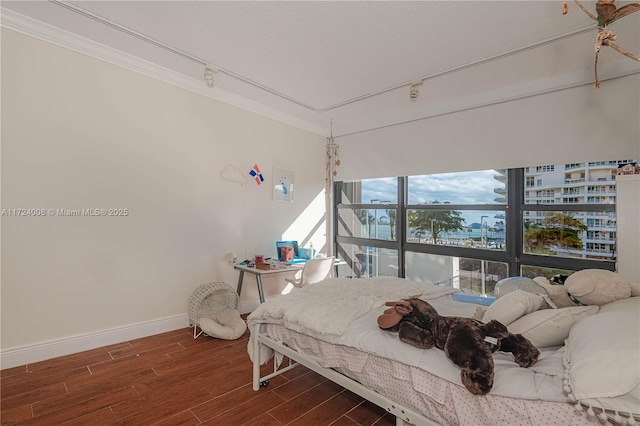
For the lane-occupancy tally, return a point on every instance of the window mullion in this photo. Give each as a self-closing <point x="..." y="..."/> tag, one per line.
<point x="513" y="226"/>
<point x="401" y="223"/>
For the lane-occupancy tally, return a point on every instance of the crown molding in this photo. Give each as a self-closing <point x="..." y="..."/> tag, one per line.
<point x="50" y="34"/>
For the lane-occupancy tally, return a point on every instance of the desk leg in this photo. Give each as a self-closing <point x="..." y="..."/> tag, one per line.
<point x="239" y="288"/>
<point x="260" y="291"/>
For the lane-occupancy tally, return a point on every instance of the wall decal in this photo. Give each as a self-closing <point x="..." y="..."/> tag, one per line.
<point x="233" y="175"/>
<point x="256" y="174"/>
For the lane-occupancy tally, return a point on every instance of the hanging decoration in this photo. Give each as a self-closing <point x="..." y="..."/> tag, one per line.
<point x="607" y="12"/>
<point x="332" y="161"/>
<point x="256" y="174"/>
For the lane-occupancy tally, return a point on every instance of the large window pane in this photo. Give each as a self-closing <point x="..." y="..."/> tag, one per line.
<point x="432" y="268"/>
<point x="462" y="228"/>
<point x="370" y="191"/>
<point x="367" y="223"/>
<point x="470" y="275"/>
<point x="481" y="276"/>
<point x="588" y="235"/>
<point x="479" y="187"/>
<point x="380" y="191"/>
<point x="539" y="271"/>
<point x="366" y="261"/>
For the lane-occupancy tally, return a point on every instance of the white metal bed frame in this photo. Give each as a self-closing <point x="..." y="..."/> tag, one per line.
<point x="403" y="415"/>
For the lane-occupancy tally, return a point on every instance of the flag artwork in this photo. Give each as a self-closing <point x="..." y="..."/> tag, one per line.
<point x="255" y="173"/>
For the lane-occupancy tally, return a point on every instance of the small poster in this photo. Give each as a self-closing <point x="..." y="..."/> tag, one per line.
<point x="283" y="185"/>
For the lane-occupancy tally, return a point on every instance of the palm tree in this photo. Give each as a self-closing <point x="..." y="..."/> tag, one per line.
<point x="367" y="218"/>
<point x="392" y="221"/>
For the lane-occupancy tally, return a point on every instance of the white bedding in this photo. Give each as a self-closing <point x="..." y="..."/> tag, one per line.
<point x="416" y="389"/>
<point x="543" y="381"/>
<point x="356" y="309"/>
<point x="328" y="308"/>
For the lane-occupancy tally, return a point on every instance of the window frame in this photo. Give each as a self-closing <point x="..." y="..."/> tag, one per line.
<point x="514" y="208"/>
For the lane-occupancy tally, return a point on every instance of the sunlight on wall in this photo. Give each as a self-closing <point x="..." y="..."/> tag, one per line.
<point x="310" y="226"/>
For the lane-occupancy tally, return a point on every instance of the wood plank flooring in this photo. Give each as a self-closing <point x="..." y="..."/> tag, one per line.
<point x="171" y="379"/>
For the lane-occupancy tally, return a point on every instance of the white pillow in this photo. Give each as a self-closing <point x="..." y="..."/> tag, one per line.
<point x="512" y="306"/>
<point x="227" y="324"/>
<point x="602" y="358"/>
<point x="549" y="327"/>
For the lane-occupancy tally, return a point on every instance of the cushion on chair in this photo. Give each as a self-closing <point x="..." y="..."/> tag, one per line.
<point x="227" y="325"/>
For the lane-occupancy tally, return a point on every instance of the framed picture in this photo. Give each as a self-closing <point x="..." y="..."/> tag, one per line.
<point x="283" y="185"/>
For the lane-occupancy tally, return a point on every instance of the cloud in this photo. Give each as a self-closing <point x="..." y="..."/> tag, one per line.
<point x="456" y="188"/>
<point x="470" y="188"/>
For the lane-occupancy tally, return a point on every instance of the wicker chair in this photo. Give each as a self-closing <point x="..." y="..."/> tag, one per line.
<point x="209" y="299"/>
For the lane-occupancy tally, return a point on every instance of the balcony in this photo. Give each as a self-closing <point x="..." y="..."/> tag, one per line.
<point x="574" y="181"/>
<point x="575" y="166"/>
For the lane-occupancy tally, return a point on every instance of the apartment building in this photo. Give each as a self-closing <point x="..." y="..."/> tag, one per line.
<point x="580" y="183"/>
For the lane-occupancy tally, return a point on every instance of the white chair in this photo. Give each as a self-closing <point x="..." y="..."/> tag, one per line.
<point x="314" y="270"/>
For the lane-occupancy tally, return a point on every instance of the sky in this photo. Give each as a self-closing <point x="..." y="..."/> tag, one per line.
<point x="475" y="187"/>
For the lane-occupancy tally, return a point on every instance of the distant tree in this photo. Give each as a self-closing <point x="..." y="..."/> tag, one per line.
<point x="556" y="229"/>
<point x="367" y="218"/>
<point x="392" y="221"/>
<point x="435" y="222"/>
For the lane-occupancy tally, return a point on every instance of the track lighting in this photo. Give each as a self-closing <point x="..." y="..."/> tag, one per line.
<point x="414" y="91"/>
<point x="209" y="71"/>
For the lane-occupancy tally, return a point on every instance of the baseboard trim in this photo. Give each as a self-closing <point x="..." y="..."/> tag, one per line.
<point x="13" y="357"/>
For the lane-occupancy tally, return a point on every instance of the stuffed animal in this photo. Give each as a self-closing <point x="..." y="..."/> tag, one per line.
<point x="589" y="287"/>
<point x="468" y="343"/>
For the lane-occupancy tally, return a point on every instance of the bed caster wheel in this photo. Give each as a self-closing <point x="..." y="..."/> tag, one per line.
<point x="264" y="384"/>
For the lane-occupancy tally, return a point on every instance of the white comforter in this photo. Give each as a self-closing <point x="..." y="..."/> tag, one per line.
<point x="344" y="311"/>
<point x="328" y="308"/>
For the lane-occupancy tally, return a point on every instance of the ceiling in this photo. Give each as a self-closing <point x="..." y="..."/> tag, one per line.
<point x="341" y="66"/>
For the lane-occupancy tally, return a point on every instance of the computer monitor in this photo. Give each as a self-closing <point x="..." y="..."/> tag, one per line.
<point x="287" y="250"/>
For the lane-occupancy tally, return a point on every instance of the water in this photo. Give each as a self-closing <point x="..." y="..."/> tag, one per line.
<point x="384" y="233"/>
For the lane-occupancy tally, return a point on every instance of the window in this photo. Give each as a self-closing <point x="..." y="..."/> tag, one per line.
<point x="474" y="228"/>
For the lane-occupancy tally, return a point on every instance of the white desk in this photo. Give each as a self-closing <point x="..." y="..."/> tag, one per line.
<point x="258" y="273"/>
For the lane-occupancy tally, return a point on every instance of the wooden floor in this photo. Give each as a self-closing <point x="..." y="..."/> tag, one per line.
<point x="172" y="379"/>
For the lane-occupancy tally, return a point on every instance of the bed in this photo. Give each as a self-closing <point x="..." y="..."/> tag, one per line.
<point x="591" y="377"/>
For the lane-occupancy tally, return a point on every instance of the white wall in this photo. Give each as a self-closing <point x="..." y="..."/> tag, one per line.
<point x="78" y="133"/>
<point x="628" y="227"/>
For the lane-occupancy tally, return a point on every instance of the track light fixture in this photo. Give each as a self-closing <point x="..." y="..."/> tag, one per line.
<point x="414" y="91"/>
<point x="209" y="71"/>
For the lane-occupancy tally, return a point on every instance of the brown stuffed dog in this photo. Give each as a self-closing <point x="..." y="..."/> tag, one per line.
<point x="467" y="342"/>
